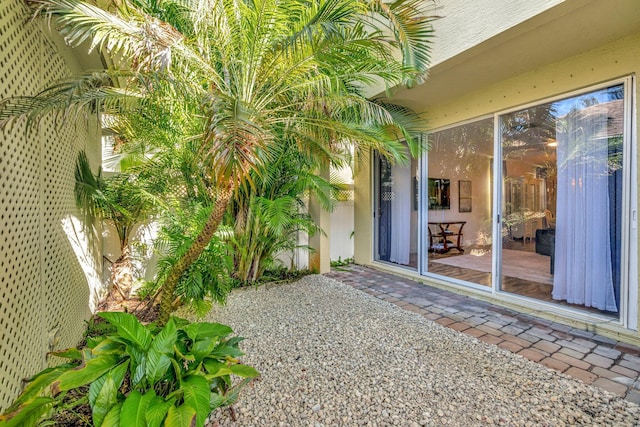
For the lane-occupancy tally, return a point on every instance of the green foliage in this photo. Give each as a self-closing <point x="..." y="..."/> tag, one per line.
<point x="141" y="375"/>
<point x="341" y="262"/>
<point x="122" y="200"/>
<point x="277" y="274"/>
<point x="268" y="213"/>
<point x="209" y="277"/>
<point x="240" y="81"/>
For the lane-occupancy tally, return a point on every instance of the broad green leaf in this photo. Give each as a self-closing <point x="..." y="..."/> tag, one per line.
<point x="87" y="372"/>
<point x="196" y="395"/>
<point x="93" y="342"/>
<point x="180" y="322"/>
<point x="27" y="415"/>
<point x="198" y="331"/>
<point x="244" y="371"/>
<point x="181" y="416"/>
<point x="157" y="411"/>
<point x="129" y="328"/>
<point x="157" y="366"/>
<point x="39" y="382"/>
<point x="203" y="348"/>
<point x="215" y="401"/>
<point x="135" y="406"/>
<point x="103" y="393"/>
<point x="216" y="369"/>
<point x="113" y="417"/>
<point x="138" y="364"/>
<point x="213" y="365"/>
<point x="234" y="341"/>
<point x="166" y="338"/>
<point x="131" y="409"/>
<point x="70" y="353"/>
<point x="224" y="350"/>
<point x="108" y="346"/>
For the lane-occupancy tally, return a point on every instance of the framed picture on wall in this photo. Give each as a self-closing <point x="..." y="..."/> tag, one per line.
<point x="439" y="193"/>
<point x="464" y="196"/>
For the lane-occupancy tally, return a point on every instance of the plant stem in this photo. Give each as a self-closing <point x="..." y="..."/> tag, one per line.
<point x="192" y="254"/>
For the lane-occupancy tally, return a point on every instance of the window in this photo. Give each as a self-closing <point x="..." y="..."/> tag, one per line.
<point x="459" y="231"/>
<point x="533" y="203"/>
<point x="396" y="218"/>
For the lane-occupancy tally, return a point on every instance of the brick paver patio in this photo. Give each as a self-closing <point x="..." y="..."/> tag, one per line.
<point x="593" y="359"/>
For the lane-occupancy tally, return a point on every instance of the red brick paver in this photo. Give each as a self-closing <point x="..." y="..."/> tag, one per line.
<point x="601" y="361"/>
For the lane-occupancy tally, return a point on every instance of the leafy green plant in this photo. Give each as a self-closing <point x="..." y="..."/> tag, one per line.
<point x="121" y="201"/>
<point x="260" y="74"/>
<point x="341" y="262"/>
<point x="146" y="376"/>
<point x="209" y="277"/>
<point x="267" y="215"/>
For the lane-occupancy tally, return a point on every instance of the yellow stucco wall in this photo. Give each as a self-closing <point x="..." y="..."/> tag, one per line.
<point x="618" y="59"/>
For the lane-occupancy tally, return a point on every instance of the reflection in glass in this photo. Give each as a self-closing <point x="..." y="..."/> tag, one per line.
<point x="459" y="235"/>
<point x="439" y="193"/>
<point x="562" y="200"/>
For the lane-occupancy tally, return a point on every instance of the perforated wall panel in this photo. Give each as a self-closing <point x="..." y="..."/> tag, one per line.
<point x="43" y="290"/>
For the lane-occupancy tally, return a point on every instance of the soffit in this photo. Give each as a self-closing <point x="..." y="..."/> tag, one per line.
<point x="572" y="27"/>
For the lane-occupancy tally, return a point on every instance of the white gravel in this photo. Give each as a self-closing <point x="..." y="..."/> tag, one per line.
<point x="330" y="355"/>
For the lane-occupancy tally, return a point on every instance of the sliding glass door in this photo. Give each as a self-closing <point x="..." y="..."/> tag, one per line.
<point x="563" y="169"/>
<point x="459" y="192"/>
<point x="396" y="213"/>
<point x="534" y="203"/>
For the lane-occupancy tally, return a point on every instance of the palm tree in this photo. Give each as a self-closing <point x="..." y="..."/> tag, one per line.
<point x="258" y="73"/>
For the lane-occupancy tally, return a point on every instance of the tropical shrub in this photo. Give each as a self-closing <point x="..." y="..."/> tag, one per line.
<point x="144" y="376"/>
<point x="261" y="73"/>
<point x="121" y="201"/>
<point x="209" y="277"/>
<point x="267" y="215"/>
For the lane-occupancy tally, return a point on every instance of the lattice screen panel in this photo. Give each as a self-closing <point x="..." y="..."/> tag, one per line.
<point x="42" y="286"/>
<point x="20" y="275"/>
<point x="66" y="303"/>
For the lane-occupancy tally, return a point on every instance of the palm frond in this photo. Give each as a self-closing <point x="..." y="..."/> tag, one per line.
<point x="66" y="99"/>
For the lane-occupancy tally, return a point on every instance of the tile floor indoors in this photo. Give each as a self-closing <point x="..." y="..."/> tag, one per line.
<point x="591" y="358"/>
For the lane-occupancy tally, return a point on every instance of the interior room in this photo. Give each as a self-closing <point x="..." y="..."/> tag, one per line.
<point x="561" y="168"/>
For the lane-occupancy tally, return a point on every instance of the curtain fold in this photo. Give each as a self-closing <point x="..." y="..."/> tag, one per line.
<point x="400" y="214"/>
<point x="583" y="269"/>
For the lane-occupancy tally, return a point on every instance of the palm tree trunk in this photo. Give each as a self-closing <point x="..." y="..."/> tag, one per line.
<point x="122" y="273"/>
<point x="192" y="254"/>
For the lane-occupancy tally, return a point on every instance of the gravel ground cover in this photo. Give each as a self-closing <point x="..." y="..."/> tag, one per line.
<point x="330" y="355"/>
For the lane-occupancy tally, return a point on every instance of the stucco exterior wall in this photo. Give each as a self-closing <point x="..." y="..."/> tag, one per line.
<point x="461" y="27"/>
<point x="48" y="255"/>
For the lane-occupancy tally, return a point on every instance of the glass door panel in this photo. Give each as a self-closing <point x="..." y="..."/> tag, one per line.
<point x="562" y="201"/>
<point x="459" y="228"/>
<point x="396" y="218"/>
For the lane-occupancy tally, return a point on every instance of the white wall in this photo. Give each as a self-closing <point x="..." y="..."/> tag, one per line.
<point x="342" y="227"/>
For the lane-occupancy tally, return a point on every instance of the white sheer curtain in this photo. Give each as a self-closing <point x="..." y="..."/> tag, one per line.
<point x="582" y="246"/>
<point x="400" y="214"/>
